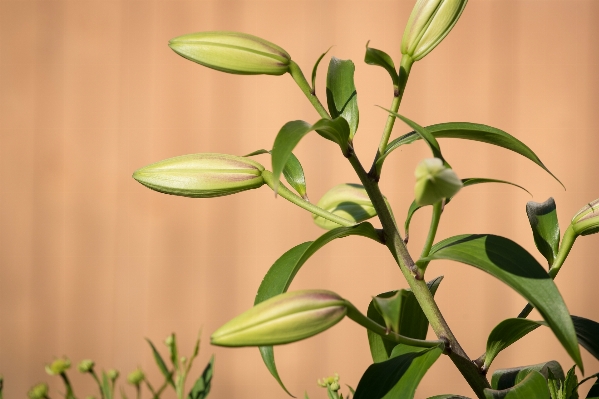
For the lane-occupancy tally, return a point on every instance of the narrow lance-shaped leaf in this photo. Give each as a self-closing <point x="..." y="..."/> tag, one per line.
<point x="293" y="172"/>
<point x="315" y="70"/>
<point x="587" y="332"/>
<point x="342" y="97"/>
<point x="512" y="264"/>
<point x="281" y="274"/>
<point x="545" y="227"/>
<point x="533" y="386"/>
<point x="382" y="59"/>
<point x="201" y="388"/>
<point x="161" y="364"/>
<point x="468" y="131"/>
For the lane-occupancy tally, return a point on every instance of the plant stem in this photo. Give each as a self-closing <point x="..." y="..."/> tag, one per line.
<point x="297" y="75"/>
<point x="93" y="373"/>
<point x="354" y="314"/>
<point x="299" y="201"/>
<point x="69" y="394"/>
<point x="430" y="238"/>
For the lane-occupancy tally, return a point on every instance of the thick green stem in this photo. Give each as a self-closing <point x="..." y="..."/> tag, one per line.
<point x="95" y="376"/>
<point x="69" y="394"/>
<point x="376" y="328"/>
<point x="432" y="232"/>
<point x="297" y="75"/>
<point x="299" y="201"/>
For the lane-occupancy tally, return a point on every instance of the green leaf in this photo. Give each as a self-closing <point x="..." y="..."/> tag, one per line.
<point x="281" y="274"/>
<point x="507" y="378"/>
<point x="382" y="59"/>
<point x="470" y="181"/>
<point x="569" y="390"/>
<point x="594" y="392"/>
<point x="399" y="376"/>
<point x="293" y="172"/>
<point x="412" y="321"/>
<point x="533" y="386"/>
<point x="172" y="347"/>
<point x="201" y="388"/>
<point x="587" y="332"/>
<point x="512" y="264"/>
<point x="545" y="227"/>
<point x="448" y="397"/>
<point x="504" y="334"/>
<point x="291" y="133"/>
<point x="469" y="131"/>
<point x="106" y="391"/>
<point x="342" y="97"/>
<point x="161" y="364"/>
<point x="315" y="69"/>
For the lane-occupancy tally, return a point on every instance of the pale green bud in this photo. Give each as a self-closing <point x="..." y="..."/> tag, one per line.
<point x="330" y="382"/>
<point x="39" y="391"/>
<point x="58" y="366"/>
<point x="586" y="221"/>
<point x="232" y="52"/>
<point x="282" y="319"/>
<point x="113" y="374"/>
<point x="349" y="201"/>
<point x="136" y="377"/>
<point x="429" y="23"/>
<point x="85" y="366"/>
<point x="435" y="181"/>
<point x="201" y="175"/>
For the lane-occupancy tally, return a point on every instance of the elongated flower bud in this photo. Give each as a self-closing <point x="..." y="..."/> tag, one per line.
<point x="201" y="175"/>
<point x="435" y="181"/>
<point x="429" y="23"/>
<point x="232" y="52"/>
<point x="349" y="201"/>
<point x="282" y="319"/>
<point x="586" y="221"/>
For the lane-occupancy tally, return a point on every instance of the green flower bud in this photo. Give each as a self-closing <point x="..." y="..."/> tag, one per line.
<point x="201" y="175"/>
<point x="39" y="391"/>
<point x="232" y="52"/>
<point x="349" y="201"/>
<point x="113" y="374"/>
<point x="330" y="382"/>
<point x="429" y="23"/>
<point x="58" y="366"/>
<point x="136" y="377"/>
<point x="282" y="319"/>
<point x="86" y="366"/>
<point x="435" y="181"/>
<point x="586" y="221"/>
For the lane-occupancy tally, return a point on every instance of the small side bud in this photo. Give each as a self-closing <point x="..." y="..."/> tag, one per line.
<point x="232" y="52"/>
<point x="113" y="374"/>
<point x="58" y="366"/>
<point x="435" y="181"/>
<point x="349" y="201"/>
<point x="331" y="383"/>
<point x="201" y="175"/>
<point x="39" y="391"/>
<point x="283" y="319"/>
<point x="586" y="221"/>
<point x="136" y="377"/>
<point x="86" y="366"/>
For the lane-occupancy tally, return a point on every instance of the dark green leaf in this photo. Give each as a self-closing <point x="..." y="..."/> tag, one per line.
<point x="448" y="397"/>
<point x="594" y="392"/>
<point x="533" y="386"/>
<point x="281" y="274"/>
<point x="342" y="98"/>
<point x="513" y="265"/>
<point x="315" y="69"/>
<point x="506" y="378"/>
<point x="587" y="332"/>
<point x="390" y="309"/>
<point x="201" y="388"/>
<point x="161" y="364"/>
<point x="382" y="59"/>
<point x="504" y="334"/>
<point x="399" y="376"/>
<point x="545" y="227"/>
<point x="468" y="131"/>
<point x="412" y="321"/>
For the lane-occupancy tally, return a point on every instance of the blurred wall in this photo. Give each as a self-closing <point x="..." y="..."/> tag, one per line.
<point x="91" y="262"/>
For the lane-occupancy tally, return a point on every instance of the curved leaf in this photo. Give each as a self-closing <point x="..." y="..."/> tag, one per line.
<point x="469" y="131"/>
<point x="399" y="376"/>
<point x="504" y="334"/>
<point x="533" y="386"/>
<point x="281" y="274"/>
<point x="507" y="378"/>
<point x="293" y="172"/>
<point x="512" y="264"/>
<point x="545" y="227"/>
<point x="594" y="391"/>
<point x="315" y="69"/>
<point x="201" y="388"/>
<point x="168" y="375"/>
<point x="382" y="59"/>
<point x="587" y="332"/>
<point x="342" y="97"/>
<point x="448" y="397"/>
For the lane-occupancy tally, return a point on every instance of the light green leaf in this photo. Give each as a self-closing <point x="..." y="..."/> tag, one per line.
<point x="293" y="172"/>
<point x="399" y="376"/>
<point x="468" y="131"/>
<point x="161" y="364"/>
<point x="505" y="334"/>
<point x="412" y="321"/>
<point x="545" y="227"/>
<point x="587" y="332"/>
<point x="281" y="274"/>
<point x="512" y="264"/>
<point x="382" y="59"/>
<point x="390" y="308"/>
<point x="342" y="97"/>
<point x="507" y="378"/>
<point x="201" y="388"/>
<point x="533" y="386"/>
<point x="315" y="69"/>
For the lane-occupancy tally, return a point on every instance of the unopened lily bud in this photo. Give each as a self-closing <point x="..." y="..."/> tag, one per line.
<point x="586" y="221"/>
<point x="232" y="52"/>
<point x="136" y="377"/>
<point x="201" y="175"/>
<point x="39" y="391"/>
<point x="86" y="366"/>
<point x="113" y="374"/>
<point x="282" y="319"/>
<point x="58" y="366"/>
<point x="349" y="201"/>
<point x="435" y="181"/>
<point x="429" y="23"/>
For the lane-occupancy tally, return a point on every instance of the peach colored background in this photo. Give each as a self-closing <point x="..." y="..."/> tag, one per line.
<point x="92" y="262"/>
